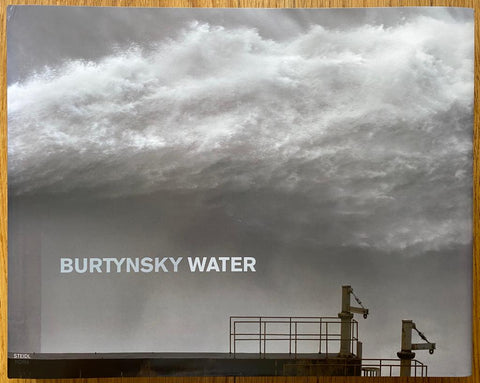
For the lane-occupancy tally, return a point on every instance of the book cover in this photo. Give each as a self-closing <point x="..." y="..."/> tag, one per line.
<point x="239" y="192"/>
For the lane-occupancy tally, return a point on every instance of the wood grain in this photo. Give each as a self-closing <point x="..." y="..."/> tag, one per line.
<point x="241" y="4"/>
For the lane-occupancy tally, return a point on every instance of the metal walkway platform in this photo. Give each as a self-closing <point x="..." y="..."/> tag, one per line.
<point x="180" y="364"/>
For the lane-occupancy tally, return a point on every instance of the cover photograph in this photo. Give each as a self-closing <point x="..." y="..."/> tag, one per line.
<point x="239" y="192"/>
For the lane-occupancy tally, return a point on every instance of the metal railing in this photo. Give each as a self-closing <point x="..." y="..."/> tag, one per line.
<point x="294" y="330"/>
<point x="391" y="367"/>
<point x="367" y="367"/>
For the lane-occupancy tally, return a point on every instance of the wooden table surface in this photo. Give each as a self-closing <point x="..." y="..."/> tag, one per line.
<point x="242" y="4"/>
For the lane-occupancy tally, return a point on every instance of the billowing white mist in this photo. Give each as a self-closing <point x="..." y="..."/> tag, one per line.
<point x="378" y="116"/>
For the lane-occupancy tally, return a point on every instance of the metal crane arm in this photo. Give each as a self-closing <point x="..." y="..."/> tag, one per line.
<point x="423" y="346"/>
<point x="359" y="310"/>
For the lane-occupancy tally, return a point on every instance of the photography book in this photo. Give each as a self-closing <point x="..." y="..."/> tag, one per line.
<point x="239" y="192"/>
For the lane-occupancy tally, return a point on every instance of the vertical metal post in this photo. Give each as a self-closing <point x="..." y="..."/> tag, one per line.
<point x="346" y="322"/>
<point x="290" y="337"/>
<point x="356" y="326"/>
<point x="359" y="350"/>
<point x="406" y="355"/>
<point x="260" y="335"/>
<point x="264" y="338"/>
<point x="320" y="337"/>
<point x="326" y="342"/>
<point x="295" y="340"/>
<point x="352" y="331"/>
<point x="234" y="338"/>
<point x="230" y="334"/>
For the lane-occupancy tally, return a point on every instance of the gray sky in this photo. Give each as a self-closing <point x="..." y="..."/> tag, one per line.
<point x="333" y="145"/>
